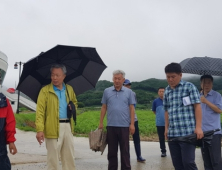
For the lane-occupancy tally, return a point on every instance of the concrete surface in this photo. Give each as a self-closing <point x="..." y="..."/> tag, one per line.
<point x="31" y="156"/>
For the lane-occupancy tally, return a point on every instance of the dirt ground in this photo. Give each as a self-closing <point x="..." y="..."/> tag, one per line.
<point x="31" y="156"/>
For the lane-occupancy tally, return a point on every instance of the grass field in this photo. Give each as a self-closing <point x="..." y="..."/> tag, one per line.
<point x="89" y="120"/>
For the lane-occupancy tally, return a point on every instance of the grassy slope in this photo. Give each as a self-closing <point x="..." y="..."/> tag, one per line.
<point x="89" y="120"/>
<point x="25" y="122"/>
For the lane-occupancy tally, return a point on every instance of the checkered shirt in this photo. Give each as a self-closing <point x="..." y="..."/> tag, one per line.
<point x="181" y="118"/>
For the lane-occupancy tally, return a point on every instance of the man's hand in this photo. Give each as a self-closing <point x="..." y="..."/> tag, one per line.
<point x="100" y="126"/>
<point x="40" y="137"/>
<point x="203" y="99"/>
<point x="165" y="133"/>
<point x="70" y="108"/>
<point x="199" y="133"/>
<point x="132" y="129"/>
<point x="12" y="148"/>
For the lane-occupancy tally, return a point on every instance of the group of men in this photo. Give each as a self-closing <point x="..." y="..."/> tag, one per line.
<point x="180" y="110"/>
<point x="188" y="111"/>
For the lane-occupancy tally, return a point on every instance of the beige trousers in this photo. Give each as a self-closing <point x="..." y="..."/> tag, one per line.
<point x="61" y="149"/>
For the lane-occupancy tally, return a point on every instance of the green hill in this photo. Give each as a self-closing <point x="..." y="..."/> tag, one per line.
<point x="146" y="91"/>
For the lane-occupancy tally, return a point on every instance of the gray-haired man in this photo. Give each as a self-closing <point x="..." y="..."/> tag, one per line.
<point x="52" y="123"/>
<point x="118" y="102"/>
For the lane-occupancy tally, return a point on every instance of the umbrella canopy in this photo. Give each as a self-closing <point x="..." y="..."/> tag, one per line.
<point x="202" y="66"/>
<point x="84" y="67"/>
<point x="205" y="141"/>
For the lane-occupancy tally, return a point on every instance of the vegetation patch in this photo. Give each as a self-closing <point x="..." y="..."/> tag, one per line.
<point x="88" y="120"/>
<point x="25" y="121"/>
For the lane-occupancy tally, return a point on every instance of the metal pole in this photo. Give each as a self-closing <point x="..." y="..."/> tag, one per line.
<point x="20" y="63"/>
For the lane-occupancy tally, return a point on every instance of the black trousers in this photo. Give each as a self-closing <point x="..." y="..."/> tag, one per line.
<point x="118" y="136"/>
<point x="5" y="162"/>
<point x="160" y="131"/>
<point x="136" y="140"/>
<point x="212" y="154"/>
<point x="183" y="155"/>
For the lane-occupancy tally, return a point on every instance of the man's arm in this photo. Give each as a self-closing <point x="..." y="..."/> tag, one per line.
<point x="10" y="129"/>
<point x="211" y="105"/>
<point x="166" y="124"/>
<point x="154" y="107"/>
<point x="198" y="117"/>
<point x="10" y="124"/>
<point x="132" y="119"/>
<point x="102" y="115"/>
<point x="40" y="117"/>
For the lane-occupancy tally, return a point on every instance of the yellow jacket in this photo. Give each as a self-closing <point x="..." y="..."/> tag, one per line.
<point x="47" y="111"/>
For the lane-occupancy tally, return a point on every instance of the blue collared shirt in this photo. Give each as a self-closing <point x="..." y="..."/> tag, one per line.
<point x="157" y="107"/>
<point x="62" y="101"/>
<point x="181" y="118"/>
<point x="211" y="119"/>
<point x="118" y="102"/>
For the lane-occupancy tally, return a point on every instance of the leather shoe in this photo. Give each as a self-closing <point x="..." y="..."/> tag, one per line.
<point x="163" y="154"/>
<point x="140" y="159"/>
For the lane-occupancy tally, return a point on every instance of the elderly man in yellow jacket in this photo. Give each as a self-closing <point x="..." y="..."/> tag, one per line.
<point x="52" y="123"/>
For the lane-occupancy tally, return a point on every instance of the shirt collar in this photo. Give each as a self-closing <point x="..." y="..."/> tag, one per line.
<point x="210" y="93"/>
<point x="180" y="83"/>
<point x="114" y="89"/>
<point x="63" y="87"/>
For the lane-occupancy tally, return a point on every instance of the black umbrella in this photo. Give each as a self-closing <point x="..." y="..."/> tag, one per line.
<point x="84" y="67"/>
<point x="205" y="141"/>
<point x="202" y="66"/>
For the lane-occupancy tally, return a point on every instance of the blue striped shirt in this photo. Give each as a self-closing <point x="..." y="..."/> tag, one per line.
<point x="181" y="118"/>
<point x="118" y="102"/>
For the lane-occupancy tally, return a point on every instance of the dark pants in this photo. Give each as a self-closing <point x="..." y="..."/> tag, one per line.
<point x="5" y="163"/>
<point x="118" y="136"/>
<point x="183" y="155"/>
<point x="160" y="131"/>
<point x="212" y="154"/>
<point x="136" y="140"/>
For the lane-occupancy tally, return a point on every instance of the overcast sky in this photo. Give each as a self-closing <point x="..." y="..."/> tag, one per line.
<point x="138" y="36"/>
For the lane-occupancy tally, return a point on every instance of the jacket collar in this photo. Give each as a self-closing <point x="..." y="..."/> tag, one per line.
<point x="51" y="87"/>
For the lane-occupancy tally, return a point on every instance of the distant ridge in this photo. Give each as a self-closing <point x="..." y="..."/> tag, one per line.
<point x="146" y="90"/>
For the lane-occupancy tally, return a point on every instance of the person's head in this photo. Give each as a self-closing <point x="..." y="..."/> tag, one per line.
<point x="173" y="74"/>
<point x="206" y="82"/>
<point x="118" y="78"/>
<point x="161" y="92"/>
<point x="127" y="83"/>
<point x="58" y="74"/>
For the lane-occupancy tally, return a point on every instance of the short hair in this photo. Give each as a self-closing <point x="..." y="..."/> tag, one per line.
<point x="206" y="77"/>
<point x="173" y="68"/>
<point x="63" y="67"/>
<point x="160" y="88"/>
<point x="119" y="72"/>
